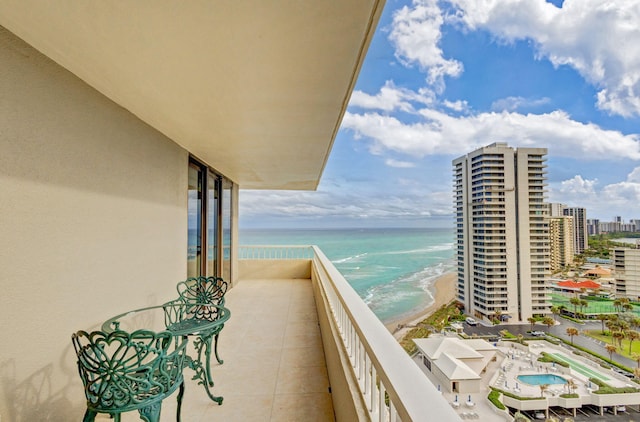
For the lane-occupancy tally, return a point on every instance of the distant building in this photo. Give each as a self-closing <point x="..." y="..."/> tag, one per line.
<point x="502" y="245"/>
<point x="593" y="226"/>
<point x="581" y="236"/>
<point x="561" y="242"/>
<point x="626" y="264"/>
<point x="556" y="209"/>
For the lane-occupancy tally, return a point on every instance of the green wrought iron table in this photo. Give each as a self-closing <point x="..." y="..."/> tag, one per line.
<point x="181" y="319"/>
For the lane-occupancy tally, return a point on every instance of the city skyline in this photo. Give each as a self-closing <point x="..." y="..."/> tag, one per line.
<point x="443" y="78"/>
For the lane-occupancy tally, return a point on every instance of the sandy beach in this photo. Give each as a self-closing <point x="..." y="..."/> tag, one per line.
<point x="443" y="292"/>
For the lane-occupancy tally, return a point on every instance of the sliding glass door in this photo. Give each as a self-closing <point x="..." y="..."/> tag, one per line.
<point x="195" y="205"/>
<point x="210" y="222"/>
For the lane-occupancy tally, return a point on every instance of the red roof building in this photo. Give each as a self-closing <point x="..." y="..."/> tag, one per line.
<point x="585" y="284"/>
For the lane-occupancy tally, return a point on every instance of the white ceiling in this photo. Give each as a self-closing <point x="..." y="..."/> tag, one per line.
<point x="256" y="89"/>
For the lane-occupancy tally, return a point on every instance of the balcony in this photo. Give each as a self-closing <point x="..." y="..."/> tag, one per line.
<point x="301" y="342"/>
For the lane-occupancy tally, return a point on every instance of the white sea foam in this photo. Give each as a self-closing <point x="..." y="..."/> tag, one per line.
<point x="405" y="294"/>
<point x="350" y="258"/>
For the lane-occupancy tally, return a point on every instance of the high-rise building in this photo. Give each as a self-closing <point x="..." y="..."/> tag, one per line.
<point x="626" y="263"/>
<point x="561" y="244"/>
<point x="593" y="226"/>
<point x="581" y="235"/>
<point x="502" y="244"/>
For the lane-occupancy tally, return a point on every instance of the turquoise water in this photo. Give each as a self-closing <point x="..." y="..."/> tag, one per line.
<point x="541" y="379"/>
<point x="391" y="269"/>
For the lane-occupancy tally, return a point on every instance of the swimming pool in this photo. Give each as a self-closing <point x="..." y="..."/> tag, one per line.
<point x="540" y="379"/>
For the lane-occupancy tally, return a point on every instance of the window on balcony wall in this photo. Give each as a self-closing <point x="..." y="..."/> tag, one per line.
<point x="209" y="222"/>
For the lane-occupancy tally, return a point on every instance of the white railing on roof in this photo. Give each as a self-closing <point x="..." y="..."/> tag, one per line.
<point x="275" y="252"/>
<point x="391" y="386"/>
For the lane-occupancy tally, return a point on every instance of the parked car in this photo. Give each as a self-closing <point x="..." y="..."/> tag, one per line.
<point x="538" y="333"/>
<point x="471" y="321"/>
<point x="621" y="409"/>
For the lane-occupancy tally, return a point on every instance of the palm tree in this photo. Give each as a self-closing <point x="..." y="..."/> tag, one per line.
<point x="555" y="311"/>
<point x="603" y="318"/>
<point x="497" y="314"/>
<point x="571" y="385"/>
<point x="532" y="321"/>
<point x="543" y="388"/>
<point x="572" y="331"/>
<point x="627" y="307"/>
<point x="612" y="323"/>
<point x="583" y="304"/>
<point x="611" y="349"/>
<point x="575" y="302"/>
<point x="636" y="372"/>
<point x="548" y="321"/>
<point x="632" y="335"/>
<point x="617" y="304"/>
<point x="636" y="357"/>
<point x="617" y="335"/>
<point x="561" y="309"/>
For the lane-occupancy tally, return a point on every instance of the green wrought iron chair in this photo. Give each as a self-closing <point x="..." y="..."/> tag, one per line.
<point x="123" y="371"/>
<point x="208" y="290"/>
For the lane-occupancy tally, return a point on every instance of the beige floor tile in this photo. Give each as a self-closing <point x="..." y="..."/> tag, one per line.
<point x="302" y="380"/>
<point x="274" y="367"/>
<point x="302" y="407"/>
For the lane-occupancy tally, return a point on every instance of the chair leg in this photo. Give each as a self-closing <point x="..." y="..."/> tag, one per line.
<point x="89" y="416"/>
<point x="215" y="348"/>
<point x="180" y="395"/>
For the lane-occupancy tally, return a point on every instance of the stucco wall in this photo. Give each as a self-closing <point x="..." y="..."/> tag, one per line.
<point x="92" y="223"/>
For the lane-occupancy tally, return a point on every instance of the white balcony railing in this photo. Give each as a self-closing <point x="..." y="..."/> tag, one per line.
<point x="391" y="386"/>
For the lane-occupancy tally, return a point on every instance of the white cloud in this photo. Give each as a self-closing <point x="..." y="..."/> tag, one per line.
<point x="440" y="133"/>
<point x="578" y="186"/>
<point x="459" y="106"/>
<point x="399" y="164"/>
<point x="603" y="202"/>
<point x="392" y="98"/>
<point x="634" y="176"/>
<point x="599" y="39"/>
<point x="415" y="33"/>
<point x="514" y="103"/>
<point x="407" y="204"/>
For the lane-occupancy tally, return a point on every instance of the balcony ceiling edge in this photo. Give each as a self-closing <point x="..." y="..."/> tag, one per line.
<point x="257" y="90"/>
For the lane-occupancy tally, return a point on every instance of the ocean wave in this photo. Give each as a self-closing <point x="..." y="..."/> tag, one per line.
<point x="350" y="258"/>
<point x="429" y="249"/>
<point x="405" y="293"/>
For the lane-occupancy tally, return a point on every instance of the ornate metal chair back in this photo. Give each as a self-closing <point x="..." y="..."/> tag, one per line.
<point x="203" y="290"/>
<point x="208" y="290"/>
<point x="124" y="371"/>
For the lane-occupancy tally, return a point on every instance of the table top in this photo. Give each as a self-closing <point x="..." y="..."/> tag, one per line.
<point x="177" y="317"/>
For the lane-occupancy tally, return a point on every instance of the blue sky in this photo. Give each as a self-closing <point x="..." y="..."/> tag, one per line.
<point x="442" y="78"/>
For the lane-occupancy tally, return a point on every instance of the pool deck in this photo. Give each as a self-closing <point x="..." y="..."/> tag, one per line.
<point x="522" y="360"/>
<point x="515" y="359"/>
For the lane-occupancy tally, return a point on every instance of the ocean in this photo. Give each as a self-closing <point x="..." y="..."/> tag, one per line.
<point x="391" y="269"/>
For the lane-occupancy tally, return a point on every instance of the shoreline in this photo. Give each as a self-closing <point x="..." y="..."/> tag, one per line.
<point x="443" y="290"/>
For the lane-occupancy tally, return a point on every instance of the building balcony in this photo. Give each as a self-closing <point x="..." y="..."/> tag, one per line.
<point x="302" y="345"/>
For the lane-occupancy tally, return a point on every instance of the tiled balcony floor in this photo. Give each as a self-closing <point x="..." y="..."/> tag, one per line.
<point x="274" y="367"/>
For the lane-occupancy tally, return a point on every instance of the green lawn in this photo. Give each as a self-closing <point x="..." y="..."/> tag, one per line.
<point x="624" y="351"/>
